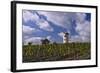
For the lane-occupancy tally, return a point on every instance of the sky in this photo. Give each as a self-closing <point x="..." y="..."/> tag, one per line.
<point x="38" y="25"/>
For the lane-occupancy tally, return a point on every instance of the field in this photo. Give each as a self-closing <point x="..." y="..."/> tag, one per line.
<point x="56" y="52"/>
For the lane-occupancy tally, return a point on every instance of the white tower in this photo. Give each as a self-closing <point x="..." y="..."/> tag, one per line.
<point x="65" y="37"/>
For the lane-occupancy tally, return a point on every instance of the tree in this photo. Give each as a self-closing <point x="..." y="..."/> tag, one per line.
<point x="45" y="41"/>
<point x="29" y="43"/>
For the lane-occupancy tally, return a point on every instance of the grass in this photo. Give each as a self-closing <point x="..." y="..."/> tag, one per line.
<point x="56" y="52"/>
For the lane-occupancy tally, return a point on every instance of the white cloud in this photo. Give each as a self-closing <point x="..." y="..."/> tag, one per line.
<point x="61" y="34"/>
<point x="75" y="38"/>
<point x="83" y="27"/>
<point x="25" y="37"/>
<point x="43" y="24"/>
<point x="64" y="20"/>
<point x="27" y="15"/>
<point x="34" y="40"/>
<point x="80" y="17"/>
<point x="28" y="29"/>
<point x="58" y="18"/>
<point x="49" y="37"/>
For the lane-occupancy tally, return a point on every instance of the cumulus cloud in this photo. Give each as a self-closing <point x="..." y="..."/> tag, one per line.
<point x="49" y="37"/>
<point x="28" y="29"/>
<point x="75" y="38"/>
<point x="83" y="28"/>
<point x="27" y="16"/>
<point x="43" y="24"/>
<point x="62" y="19"/>
<point x="34" y="40"/>
<point x="25" y="37"/>
<point x="80" y="17"/>
<point x="65" y="20"/>
<point x="40" y="22"/>
<point x="61" y="34"/>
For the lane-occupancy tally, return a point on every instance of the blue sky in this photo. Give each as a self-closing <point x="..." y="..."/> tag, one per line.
<point x="39" y="25"/>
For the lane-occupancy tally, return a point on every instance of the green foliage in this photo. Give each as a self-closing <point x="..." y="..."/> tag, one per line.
<point x="29" y="43"/>
<point x="53" y="52"/>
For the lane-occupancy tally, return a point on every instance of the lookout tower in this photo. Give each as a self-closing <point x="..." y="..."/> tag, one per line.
<point x="65" y="37"/>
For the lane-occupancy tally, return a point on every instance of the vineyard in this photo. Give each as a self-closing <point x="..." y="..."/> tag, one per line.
<point x="56" y="52"/>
